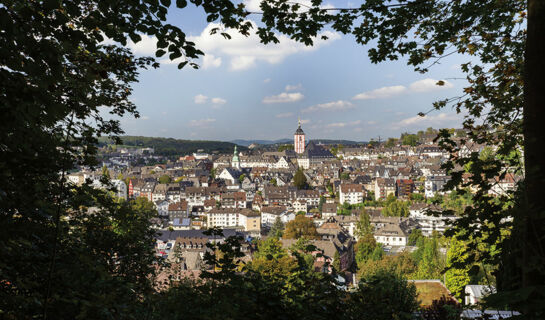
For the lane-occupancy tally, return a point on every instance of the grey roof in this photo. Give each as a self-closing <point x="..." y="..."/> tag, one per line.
<point x="299" y="130"/>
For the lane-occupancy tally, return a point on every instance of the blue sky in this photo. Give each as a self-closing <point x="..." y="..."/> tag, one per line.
<point x="245" y="90"/>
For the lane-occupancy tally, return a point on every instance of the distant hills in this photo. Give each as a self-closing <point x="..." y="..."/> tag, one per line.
<point x="285" y="141"/>
<point x="171" y="146"/>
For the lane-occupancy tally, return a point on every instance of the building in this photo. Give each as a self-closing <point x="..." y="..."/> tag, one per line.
<point x="235" y="161"/>
<point x="384" y="187"/>
<point x="404" y="188"/>
<point x="351" y="193"/>
<point x="299" y="140"/>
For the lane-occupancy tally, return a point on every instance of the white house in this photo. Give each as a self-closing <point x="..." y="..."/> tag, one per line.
<point x="351" y="193"/>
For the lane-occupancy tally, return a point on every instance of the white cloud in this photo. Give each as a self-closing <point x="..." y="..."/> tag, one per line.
<point x="305" y="121"/>
<point x="428" y="84"/>
<point x="245" y="52"/>
<point x="293" y="87"/>
<point x="145" y="47"/>
<point x="285" y="115"/>
<point x="200" y="99"/>
<point x="242" y="62"/>
<point x="429" y="120"/>
<point x="218" y="101"/>
<point x="424" y="85"/>
<point x="144" y="118"/>
<point x="343" y="124"/>
<point x="201" y="122"/>
<point x="284" y="97"/>
<point x="330" y="106"/>
<point x="381" y="93"/>
<point x="267" y="80"/>
<point x="210" y="61"/>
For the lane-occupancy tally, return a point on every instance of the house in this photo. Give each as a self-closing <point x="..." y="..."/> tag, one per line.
<point x="250" y="220"/>
<point x="162" y="207"/>
<point x="269" y="215"/>
<point x="391" y="235"/>
<point x="351" y="193"/>
<point x="384" y="187"/>
<point x="223" y="218"/>
<point x="178" y="210"/>
<point x="404" y="188"/>
<point x="299" y="205"/>
<point x="329" y="210"/>
<point x="434" y="184"/>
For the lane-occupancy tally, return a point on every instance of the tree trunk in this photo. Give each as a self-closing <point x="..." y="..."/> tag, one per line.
<point x="533" y="273"/>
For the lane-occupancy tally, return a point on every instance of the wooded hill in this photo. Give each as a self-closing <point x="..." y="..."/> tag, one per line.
<point x="171" y="146"/>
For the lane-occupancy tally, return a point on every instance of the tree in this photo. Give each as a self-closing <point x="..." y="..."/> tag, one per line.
<point x="300" y="227"/>
<point x="271" y="260"/>
<point x="363" y="226"/>
<point x="390" y="143"/>
<point x="277" y="228"/>
<point x="300" y="180"/>
<point x="414" y="237"/>
<point x="105" y="171"/>
<point x="273" y="182"/>
<point x="396" y="209"/>
<point x="457" y="274"/>
<point x="384" y="295"/>
<point x="365" y="247"/>
<point x="165" y="179"/>
<point x="409" y="139"/>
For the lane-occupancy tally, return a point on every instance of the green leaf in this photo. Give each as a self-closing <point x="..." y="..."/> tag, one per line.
<point x="182" y="64"/>
<point x="160" y="53"/>
<point x="181" y="3"/>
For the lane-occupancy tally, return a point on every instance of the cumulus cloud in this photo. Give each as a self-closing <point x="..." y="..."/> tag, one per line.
<point x="429" y="120"/>
<point x="218" y="101"/>
<point x="380" y="93"/>
<point x="210" y="61"/>
<point x="201" y="122"/>
<point x="294" y="87"/>
<point x="330" y="106"/>
<point x="285" y="115"/>
<point x="428" y="84"/>
<point x="424" y="85"/>
<point x="145" y="47"/>
<point x="245" y="52"/>
<point x="200" y="99"/>
<point x="343" y="124"/>
<point x="284" y="97"/>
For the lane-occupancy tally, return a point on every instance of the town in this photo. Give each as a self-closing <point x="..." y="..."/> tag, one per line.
<point x="330" y="190"/>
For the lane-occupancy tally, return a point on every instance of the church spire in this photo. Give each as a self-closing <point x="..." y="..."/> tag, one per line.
<point x="299" y="139"/>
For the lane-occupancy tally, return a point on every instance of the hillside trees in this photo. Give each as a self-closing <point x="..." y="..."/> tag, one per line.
<point x="299" y="227"/>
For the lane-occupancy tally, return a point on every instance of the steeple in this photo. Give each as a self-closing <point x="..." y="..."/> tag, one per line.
<point x="299" y="131"/>
<point x="235" y="162"/>
<point x="299" y="139"/>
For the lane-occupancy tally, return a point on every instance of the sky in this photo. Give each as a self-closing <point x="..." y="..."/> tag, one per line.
<point x="246" y="90"/>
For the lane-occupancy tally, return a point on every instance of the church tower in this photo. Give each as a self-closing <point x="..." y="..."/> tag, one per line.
<point x="299" y="140"/>
<point x="235" y="162"/>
